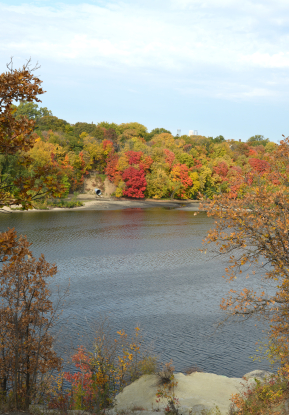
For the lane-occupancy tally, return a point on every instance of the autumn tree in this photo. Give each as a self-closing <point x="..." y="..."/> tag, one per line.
<point x="26" y="310"/>
<point x="17" y="138"/>
<point x="135" y="182"/>
<point x="252" y="231"/>
<point x="111" y="135"/>
<point x="158" y="184"/>
<point x="156" y="131"/>
<point x="26" y="317"/>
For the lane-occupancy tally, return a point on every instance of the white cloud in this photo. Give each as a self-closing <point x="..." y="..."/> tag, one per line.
<point x="203" y="3"/>
<point x="214" y="43"/>
<point x="277" y="60"/>
<point x="246" y="5"/>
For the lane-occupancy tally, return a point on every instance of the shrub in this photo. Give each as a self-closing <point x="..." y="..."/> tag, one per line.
<point x="27" y="316"/>
<point x="166" y="390"/>
<point x="102" y="373"/>
<point x="64" y="203"/>
<point x="261" y="398"/>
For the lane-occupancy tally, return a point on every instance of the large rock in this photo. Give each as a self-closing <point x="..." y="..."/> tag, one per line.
<point x="258" y="374"/>
<point x="196" y="392"/>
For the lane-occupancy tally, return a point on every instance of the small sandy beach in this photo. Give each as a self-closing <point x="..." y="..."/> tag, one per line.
<point x="91" y="203"/>
<point x="114" y="204"/>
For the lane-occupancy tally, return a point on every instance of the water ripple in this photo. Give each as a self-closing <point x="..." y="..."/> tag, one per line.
<point x="142" y="267"/>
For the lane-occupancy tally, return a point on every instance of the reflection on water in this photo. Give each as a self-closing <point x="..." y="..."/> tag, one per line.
<point x="143" y="267"/>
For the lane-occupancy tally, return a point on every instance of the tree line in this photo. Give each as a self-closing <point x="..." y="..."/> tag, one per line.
<point x="141" y="164"/>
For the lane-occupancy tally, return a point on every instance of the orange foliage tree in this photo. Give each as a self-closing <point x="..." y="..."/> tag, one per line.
<point x="252" y="231"/>
<point x="16" y="139"/>
<point x="26" y="317"/>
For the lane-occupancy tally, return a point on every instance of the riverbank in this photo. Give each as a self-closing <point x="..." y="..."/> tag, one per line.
<point x="122" y="203"/>
<point x="91" y="203"/>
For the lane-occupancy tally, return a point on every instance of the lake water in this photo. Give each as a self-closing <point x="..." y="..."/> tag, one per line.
<point x="143" y="266"/>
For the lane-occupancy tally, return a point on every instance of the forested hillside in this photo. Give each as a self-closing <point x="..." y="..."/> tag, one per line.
<point x="140" y="163"/>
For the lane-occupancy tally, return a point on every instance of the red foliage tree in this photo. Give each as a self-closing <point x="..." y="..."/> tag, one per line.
<point x="260" y="166"/>
<point x="180" y="174"/>
<point x="170" y="157"/>
<point x="221" y="169"/>
<point x="235" y="170"/>
<point x="146" y="163"/>
<point x="134" y="157"/>
<point x="198" y="164"/>
<point x="111" y="167"/>
<point x="135" y="182"/>
<point x="107" y="145"/>
<point x="253" y="152"/>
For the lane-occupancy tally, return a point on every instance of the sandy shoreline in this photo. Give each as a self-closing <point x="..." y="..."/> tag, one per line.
<point x="143" y="204"/>
<point x="90" y="203"/>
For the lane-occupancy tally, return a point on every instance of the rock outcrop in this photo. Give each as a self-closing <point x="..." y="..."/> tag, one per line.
<point x="196" y="393"/>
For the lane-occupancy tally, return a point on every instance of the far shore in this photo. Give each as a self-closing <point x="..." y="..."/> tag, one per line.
<point x="109" y="203"/>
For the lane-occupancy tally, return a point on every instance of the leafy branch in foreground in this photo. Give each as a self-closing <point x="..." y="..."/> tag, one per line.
<point x="252" y="232"/>
<point x="21" y="185"/>
<point x="27" y="315"/>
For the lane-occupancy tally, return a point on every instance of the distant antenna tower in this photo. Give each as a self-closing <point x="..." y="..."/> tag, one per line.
<point x="178" y="133"/>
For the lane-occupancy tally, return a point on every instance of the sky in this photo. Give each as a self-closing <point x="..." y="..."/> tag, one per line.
<point x="216" y="66"/>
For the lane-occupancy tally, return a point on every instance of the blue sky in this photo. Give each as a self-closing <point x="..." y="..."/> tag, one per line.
<point x="216" y="66"/>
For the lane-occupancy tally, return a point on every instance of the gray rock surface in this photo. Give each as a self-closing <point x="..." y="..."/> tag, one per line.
<point x="259" y="374"/>
<point x="197" y="393"/>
